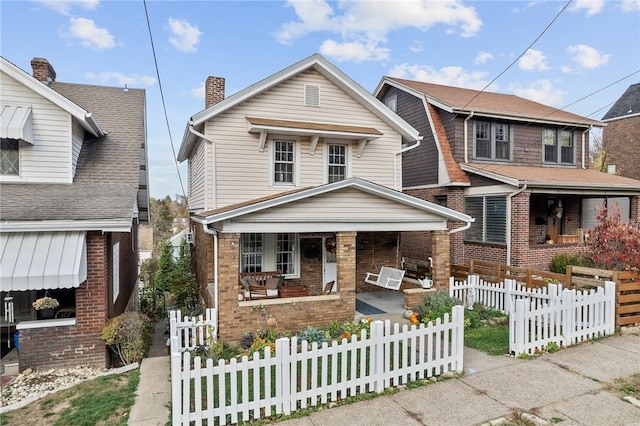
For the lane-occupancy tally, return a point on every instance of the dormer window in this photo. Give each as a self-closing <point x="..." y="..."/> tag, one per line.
<point x="9" y="157"/>
<point x="311" y="95"/>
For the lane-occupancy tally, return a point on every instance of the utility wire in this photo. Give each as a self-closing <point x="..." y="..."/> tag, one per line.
<point x="164" y="106"/>
<point x="520" y="56"/>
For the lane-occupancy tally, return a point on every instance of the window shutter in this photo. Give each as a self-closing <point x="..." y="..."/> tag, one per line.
<point x="311" y="95"/>
<point x="496" y="219"/>
<point x="473" y="206"/>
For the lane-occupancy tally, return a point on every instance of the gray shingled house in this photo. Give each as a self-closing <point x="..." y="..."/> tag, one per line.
<point x="621" y="137"/>
<point x="73" y="187"/>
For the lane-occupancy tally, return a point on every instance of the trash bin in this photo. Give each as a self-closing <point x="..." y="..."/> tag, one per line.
<point x="16" y="340"/>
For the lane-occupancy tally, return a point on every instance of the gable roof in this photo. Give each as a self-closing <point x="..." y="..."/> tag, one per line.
<point x="84" y="117"/>
<point x="321" y="65"/>
<point x="487" y="104"/>
<point x="627" y="105"/>
<point x="456" y="174"/>
<point x="110" y="179"/>
<point x="561" y="179"/>
<point x="341" y="215"/>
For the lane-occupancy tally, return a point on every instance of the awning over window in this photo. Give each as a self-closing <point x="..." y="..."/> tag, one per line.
<point x="16" y="123"/>
<point x="42" y="260"/>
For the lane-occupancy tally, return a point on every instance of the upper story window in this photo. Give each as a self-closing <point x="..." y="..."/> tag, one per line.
<point x="9" y="157"/>
<point x="490" y="213"/>
<point x="283" y="162"/>
<point x="392" y="102"/>
<point x="336" y="163"/>
<point x="558" y="146"/>
<point x="492" y="141"/>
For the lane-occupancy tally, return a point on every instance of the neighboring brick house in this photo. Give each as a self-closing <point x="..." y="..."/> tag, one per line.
<point x="520" y="168"/>
<point x="300" y="173"/>
<point x="621" y="137"/>
<point x="74" y="189"/>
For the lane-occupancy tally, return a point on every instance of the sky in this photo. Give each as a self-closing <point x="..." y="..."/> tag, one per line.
<point x="579" y="55"/>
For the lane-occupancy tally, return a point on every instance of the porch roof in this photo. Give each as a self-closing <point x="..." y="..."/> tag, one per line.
<point x="42" y="260"/>
<point x="349" y="205"/>
<point x="558" y="179"/>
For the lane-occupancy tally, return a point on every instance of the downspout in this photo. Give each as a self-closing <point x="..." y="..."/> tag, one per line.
<point x="213" y="153"/>
<point x="510" y="196"/>
<point x="395" y="157"/>
<point x="584" y="144"/>
<point x="207" y="230"/>
<point x="462" y="228"/>
<point x="466" y="140"/>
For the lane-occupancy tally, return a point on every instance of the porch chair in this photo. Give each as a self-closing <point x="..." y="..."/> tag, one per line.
<point x="328" y="287"/>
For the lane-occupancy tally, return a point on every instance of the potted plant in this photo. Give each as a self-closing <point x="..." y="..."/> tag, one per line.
<point x="46" y="305"/>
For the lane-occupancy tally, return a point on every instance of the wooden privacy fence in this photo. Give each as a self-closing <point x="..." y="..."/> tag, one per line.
<point x="191" y="332"/>
<point x="299" y="374"/>
<point x="539" y="316"/>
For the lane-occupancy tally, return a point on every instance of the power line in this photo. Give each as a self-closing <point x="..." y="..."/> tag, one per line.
<point x="521" y="55"/>
<point x="164" y="106"/>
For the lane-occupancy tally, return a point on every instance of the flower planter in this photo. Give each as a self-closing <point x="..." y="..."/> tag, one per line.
<point x="48" y="313"/>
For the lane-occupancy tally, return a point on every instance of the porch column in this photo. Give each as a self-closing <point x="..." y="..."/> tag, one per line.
<point x="346" y="267"/>
<point x="229" y="322"/>
<point x="440" y="246"/>
<point x="519" y="252"/>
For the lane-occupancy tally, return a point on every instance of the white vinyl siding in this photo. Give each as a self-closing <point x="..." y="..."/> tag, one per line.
<point x="49" y="158"/>
<point x="197" y="175"/>
<point x="238" y="158"/>
<point x="76" y="146"/>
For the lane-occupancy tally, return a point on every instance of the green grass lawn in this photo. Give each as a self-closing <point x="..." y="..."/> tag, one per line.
<point x="492" y="339"/>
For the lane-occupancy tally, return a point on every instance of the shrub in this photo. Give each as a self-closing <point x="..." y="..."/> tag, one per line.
<point x="312" y="334"/>
<point x="560" y="262"/>
<point x="612" y="244"/>
<point x="435" y="305"/>
<point x="129" y="336"/>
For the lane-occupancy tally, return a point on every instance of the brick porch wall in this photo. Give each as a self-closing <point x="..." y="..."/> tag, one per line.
<point x="56" y="347"/>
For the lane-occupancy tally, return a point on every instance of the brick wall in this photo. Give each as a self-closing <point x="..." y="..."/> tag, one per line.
<point x="377" y="249"/>
<point x="80" y="344"/>
<point x="621" y="142"/>
<point x="202" y="261"/>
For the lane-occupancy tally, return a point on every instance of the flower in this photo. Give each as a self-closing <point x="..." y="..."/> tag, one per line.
<point x="45" y="303"/>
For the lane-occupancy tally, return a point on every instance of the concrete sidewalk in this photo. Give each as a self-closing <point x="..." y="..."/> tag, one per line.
<point x="153" y="396"/>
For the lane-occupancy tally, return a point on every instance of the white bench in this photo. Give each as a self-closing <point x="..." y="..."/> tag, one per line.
<point x="389" y="278"/>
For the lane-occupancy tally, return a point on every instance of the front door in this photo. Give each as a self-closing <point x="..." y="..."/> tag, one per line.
<point x="329" y="265"/>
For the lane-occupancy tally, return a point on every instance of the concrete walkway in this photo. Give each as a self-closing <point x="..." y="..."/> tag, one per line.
<point x="153" y="396"/>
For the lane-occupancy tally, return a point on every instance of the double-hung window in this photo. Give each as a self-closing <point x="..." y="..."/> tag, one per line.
<point x="558" y="146"/>
<point x="9" y="157"/>
<point x="268" y="252"/>
<point x="490" y="213"/>
<point x="492" y="140"/>
<point x="336" y="163"/>
<point x="283" y="162"/>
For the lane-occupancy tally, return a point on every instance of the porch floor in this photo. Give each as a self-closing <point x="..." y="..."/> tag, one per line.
<point x="391" y="303"/>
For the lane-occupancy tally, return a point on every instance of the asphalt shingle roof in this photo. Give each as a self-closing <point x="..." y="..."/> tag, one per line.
<point x="627" y="104"/>
<point x="107" y="178"/>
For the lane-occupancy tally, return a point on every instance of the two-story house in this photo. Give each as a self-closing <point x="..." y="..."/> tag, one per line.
<point x="522" y="169"/>
<point x="73" y="182"/>
<point x="300" y="173"/>
<point x="621" y="137"/>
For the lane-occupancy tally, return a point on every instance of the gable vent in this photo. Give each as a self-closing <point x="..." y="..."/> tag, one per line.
<point x="311" y="95"/>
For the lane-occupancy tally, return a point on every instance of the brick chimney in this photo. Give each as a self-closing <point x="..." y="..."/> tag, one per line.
<point x="214" y="91"/>
<point x="43" y="70"/>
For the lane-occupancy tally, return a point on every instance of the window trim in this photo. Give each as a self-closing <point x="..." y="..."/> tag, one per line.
<point x="557" y="138"/>
<point x="16" y="143"/>
<point x="268" y="251"/>
<point x="347" y="150"/>
<point x="296" y="160"/>
<point x="482" y="221"/>
<point x="493" y="141"/>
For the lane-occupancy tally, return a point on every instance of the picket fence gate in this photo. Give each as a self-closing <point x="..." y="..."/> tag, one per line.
<point x="192" y="332"/>
<point x="299" y="374"/>
<point x="540" y="316"/>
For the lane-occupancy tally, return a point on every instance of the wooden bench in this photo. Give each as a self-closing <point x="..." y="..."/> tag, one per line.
<point x="259" y="285"/>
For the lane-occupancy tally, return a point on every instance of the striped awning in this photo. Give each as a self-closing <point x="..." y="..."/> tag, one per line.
<point x="15" y="123"/>
<point x="42" y="260"/>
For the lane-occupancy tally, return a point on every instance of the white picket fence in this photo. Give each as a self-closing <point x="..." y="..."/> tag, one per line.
<point x="299" y="374"/>
<point x="191" y="332"/>
<point x="539" y="316"/>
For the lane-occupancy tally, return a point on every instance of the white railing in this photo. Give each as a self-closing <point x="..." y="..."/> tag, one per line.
<point x="191" y="332"/>
<point x="539" y="316"/>
<point x="298" y="374"/>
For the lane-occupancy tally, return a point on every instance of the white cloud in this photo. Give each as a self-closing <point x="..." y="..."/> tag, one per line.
<point x="416" y="46"/>
<point x="630" y="5"/>
<point x="119" y="79"/>
<point x="533" y="60"/>
<point x="483" y="57"/>
<point x="63" y="7"/>
<point x="539" y="91"/>
<point x="450" y="76"/>
<point x="367" y="23"/>
<point x="91" y="36"/>
<point x="198" y="92"/>
<point x="587" y="56"/>
<point x="184" y="36"/>
<point x="566" y="69"/>
<point x="354" y="51"/>
<point x="593" y="7"/>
